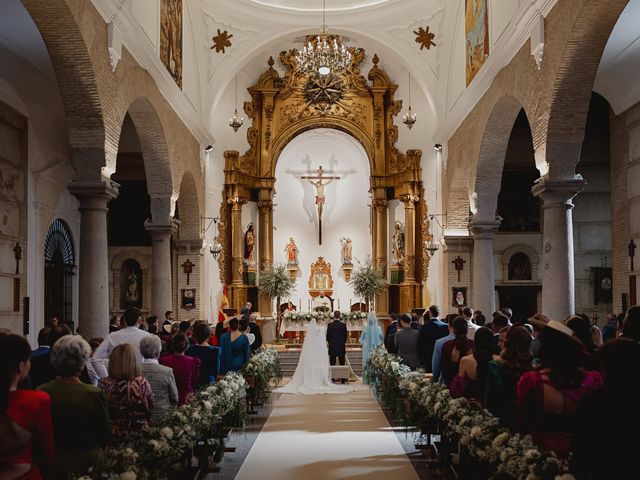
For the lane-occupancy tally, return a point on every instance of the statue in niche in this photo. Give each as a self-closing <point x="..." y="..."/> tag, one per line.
<point x="347" y="251"/>
<point x="397" y="249"/>
<point x="292" y="252"/>
<point x="249" y="244"/>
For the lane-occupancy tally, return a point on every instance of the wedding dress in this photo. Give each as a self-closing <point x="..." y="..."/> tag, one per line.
<point x="312" y="373"/>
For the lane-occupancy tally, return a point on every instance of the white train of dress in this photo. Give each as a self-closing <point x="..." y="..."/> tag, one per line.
<point x="312" y="375"/>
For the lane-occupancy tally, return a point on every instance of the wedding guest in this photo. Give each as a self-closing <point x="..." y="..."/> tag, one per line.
<point x="129" y="394"/>
<point x="370" y="338"/>
<point x="406" y="341"/>
<point x="507" y="312"/>
<point x="41" y="369"/>
<point x="504" y="372"/>
<point x="500" y="321"/>
<point x="455" y="349"/>
<point x="130" y="335"/>
<point x="467" y="313"/>
<point x="631" y="324"/>
<point x="254" y="329"/>
<point x="471" y="380"/>
<point x="79" y="411"/>
<point x="209" y="356"/>
<point x="161" y="379"/>
<point x="186" y="370"/>
<point x="610" y="414"/>
<point x="581" y="328"/>
<point x="244" y="328"/>
<point x="26" y="434"/>
<point x="609" y="329"/>
<point x="390" y="334"/>
<point x="437" y="349"/>
<point x="114" y="323"/>
<point x="43" y="343"/>
<point x="547" y="398"/>
<point x="415" y="321"/>
<point x="596" y="336"/>
<point x="432" y="330"/>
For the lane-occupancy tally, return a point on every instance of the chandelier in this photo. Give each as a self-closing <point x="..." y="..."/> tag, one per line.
<point x="323" y="53"/>
<point x="409" y="118"/>
<point x="236" y="121"/>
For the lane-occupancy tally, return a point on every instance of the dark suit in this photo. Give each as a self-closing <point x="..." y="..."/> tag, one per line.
<point x="337" y="338"/>
<point x="388" y="337"/>
<point x="255" y="329"/>
<point x="431" y="331"/>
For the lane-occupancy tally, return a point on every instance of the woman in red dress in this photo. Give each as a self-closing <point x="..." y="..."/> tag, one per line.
<point x="26" y="434"/>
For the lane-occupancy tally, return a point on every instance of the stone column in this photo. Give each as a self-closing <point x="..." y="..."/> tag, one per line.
<point x="558" y="282"/>
<point x="483" y="233"/>
<point x="238" y="290"/>
<point x="93" y="272"/>
<point x="161" y="284"/>
<point x="380" y="249"/>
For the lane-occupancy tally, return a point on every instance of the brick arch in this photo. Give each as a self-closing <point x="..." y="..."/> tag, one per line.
<point x="573" y="84"/>
<point x="153" y="142"/>
<point x="80" y="89"/>
<point x="491" y="156"/>
<point x="188" y="208"/>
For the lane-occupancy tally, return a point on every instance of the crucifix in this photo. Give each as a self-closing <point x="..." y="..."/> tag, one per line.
<point x="187" y="267"/>
<point x="319" y="177"/>
<point x="632" y="252"/>
<point x="17" y="250"/>
<point x="458" y="263"/>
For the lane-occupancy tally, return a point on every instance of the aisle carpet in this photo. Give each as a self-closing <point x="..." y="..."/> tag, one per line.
<point x="327" y="437"/>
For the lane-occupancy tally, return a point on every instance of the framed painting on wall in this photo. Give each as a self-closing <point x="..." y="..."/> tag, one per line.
<point x="476" y="29"/>
<point x="458" y="297"/>
<point x="171" y="37"/>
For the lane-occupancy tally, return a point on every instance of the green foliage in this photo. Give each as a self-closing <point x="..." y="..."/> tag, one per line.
<point x="275" y="281"/>
<point x="367" y="281"/>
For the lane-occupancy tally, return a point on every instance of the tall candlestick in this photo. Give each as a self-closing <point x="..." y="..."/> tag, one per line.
<point x="300" y="305"/>
<point x="338" y="304"/>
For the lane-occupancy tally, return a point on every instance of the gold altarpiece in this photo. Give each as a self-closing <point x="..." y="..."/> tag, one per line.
<point x="283" y="107"/>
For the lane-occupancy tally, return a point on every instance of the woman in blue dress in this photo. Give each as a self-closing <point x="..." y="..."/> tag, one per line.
<point x="235" y="349"/>
<point x="370" y="338"/>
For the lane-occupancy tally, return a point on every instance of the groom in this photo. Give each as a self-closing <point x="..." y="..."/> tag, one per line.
<point x="337" y="338"/>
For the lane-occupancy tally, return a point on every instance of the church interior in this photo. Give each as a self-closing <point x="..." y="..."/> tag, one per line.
<point x="200" y="162"/>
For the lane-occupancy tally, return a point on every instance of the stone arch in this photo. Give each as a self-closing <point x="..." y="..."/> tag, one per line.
<point x="80" y="88"/>
<point x="529" y="251"/>
<point x="188" y="208"/>
<point x="491" y="157"/>
<point x="573" y="84"/>
<point x="350" y="128"/>
<point x="153" y="142"/>
<point x="132" y="253"/>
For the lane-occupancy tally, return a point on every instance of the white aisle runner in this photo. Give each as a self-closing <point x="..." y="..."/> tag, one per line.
<point x="327" y="437"/>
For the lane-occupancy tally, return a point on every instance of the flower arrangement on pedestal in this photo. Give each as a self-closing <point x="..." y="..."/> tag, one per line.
<point x="367" y="281"/>
<point x="162" y="450"/>
<point x="263" y="367"/>
<point x="275" y="282"/>
<point x="505" y="454"/>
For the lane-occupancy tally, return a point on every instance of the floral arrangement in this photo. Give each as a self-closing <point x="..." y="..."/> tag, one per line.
<point x="367" y="281"/>
<point x="162" y="449"/>
<point x="508" y="455"/>
<point x="295" y="317"/>
<point x="263" y="367"/>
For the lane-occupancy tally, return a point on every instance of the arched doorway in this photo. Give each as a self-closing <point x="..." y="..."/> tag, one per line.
<point x="59" y="266"/>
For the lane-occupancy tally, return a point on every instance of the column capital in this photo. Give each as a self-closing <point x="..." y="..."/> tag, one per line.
<point x="194" y="246"/>
<point x="409" y="199"/>
<point x="265" y="205"/>
<point x="161" y="230"/>
<point x="236" y="200"/>
<point x="484" y="229"/>
<point x="557" y="193"/>
<point x="379" y="204"/>
<point x="94" y="195"/>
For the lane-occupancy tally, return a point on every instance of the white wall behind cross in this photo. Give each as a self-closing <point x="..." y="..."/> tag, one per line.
<point x="346" y="211"/>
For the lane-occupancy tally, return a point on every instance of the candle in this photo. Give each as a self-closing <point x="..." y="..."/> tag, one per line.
<point x="338" y="304"/>
<point x="300" y="305"/>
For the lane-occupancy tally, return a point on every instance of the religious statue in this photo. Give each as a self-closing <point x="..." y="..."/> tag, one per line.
<point x="320" y="281"/>
<point x="249" y="244"/>
<point x="347" y="251"/>
<point x="131" y="294"/>
<point x="292" y="252"/>
<point x="397" y="249"/>
<point x="319" y="185"/>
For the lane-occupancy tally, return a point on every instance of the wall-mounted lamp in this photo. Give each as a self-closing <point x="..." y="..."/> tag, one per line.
<point x="208" y="148"/>
<point x="432" y="245"/>
<point x="437" y="147"/>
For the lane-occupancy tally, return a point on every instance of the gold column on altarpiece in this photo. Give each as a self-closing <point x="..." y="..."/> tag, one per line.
<point x="379" y="233"/>
<point x="409" y="288"/>
<point x="265" y="245"/>
<point x="238" y="289"/>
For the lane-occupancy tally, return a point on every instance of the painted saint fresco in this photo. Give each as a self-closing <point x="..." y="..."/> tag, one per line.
<point x="476" y="27"/>
<point x="171" y="37"/>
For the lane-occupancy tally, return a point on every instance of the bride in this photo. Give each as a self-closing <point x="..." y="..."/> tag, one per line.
<point x="312" y="373"/>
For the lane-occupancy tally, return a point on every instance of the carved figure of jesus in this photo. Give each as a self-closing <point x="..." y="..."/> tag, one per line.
<point x="319" y="185"/>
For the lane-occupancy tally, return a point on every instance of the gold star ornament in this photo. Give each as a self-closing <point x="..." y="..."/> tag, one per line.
<point x="425" y="38"/>
<point x="221" y="41"/>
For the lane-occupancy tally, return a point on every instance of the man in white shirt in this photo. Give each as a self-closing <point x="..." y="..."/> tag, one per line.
<point x="131" y="335"/>
<point x="467" y="313"/>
